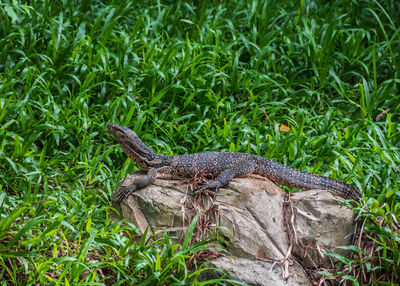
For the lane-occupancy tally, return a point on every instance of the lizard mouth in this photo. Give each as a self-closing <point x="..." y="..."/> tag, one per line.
<point x="111" y="127"/>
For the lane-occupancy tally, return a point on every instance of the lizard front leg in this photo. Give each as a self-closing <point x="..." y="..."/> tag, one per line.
<point x="240" y="168"/>
<point x="221" y="180"/>
<point x="137" y="184"/>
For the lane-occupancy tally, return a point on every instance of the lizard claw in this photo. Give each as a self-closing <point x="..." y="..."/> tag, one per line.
<point x="214" y="193"/>
<point x="199" y="190"/>
<point x="123" y="194"/>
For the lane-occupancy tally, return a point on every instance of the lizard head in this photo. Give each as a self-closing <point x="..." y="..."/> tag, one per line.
<point x="133" y="147"/>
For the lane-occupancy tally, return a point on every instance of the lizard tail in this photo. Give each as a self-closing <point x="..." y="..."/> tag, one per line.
<point x="294" y="178"/>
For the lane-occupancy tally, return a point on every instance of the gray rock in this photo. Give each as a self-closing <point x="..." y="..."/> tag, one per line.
<point x="321" y="225"/>
<point x="271" y="240"/>
<point x="255" y="272"/>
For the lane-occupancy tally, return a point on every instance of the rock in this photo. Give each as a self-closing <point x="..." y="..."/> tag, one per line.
<point x="271" y="238"/>
<point x="321" y="225"/>
<point x="255" y="272"/>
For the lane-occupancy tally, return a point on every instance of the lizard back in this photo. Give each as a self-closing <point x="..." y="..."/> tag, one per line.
<point x="225" y="166"/>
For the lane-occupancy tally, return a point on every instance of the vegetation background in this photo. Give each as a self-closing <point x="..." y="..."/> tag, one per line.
<point x="187" y="76"/>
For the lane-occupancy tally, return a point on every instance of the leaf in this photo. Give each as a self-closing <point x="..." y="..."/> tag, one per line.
<point x="190" y="231"/>
<point x="283" y="127"/>
<point x="88" y="243"/>
<point x="88" y="225"/>
<point x="11" y="13"/>
<point x="5" y="223"/>
<point x="27" y="227"/>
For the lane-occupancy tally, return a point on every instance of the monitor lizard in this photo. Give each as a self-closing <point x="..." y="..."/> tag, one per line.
<point x="222" y="165"/>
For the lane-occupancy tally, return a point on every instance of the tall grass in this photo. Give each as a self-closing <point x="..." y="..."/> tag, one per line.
<point x="187" y="77"/>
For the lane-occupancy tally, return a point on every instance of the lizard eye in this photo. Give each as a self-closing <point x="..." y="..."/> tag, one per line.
<point x="121" y="135"/>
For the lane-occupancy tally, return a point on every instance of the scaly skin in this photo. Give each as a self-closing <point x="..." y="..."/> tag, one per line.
<point x="223" y="165"/>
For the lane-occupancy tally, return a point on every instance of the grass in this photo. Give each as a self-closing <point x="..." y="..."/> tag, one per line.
<point x="187" y="77"/>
